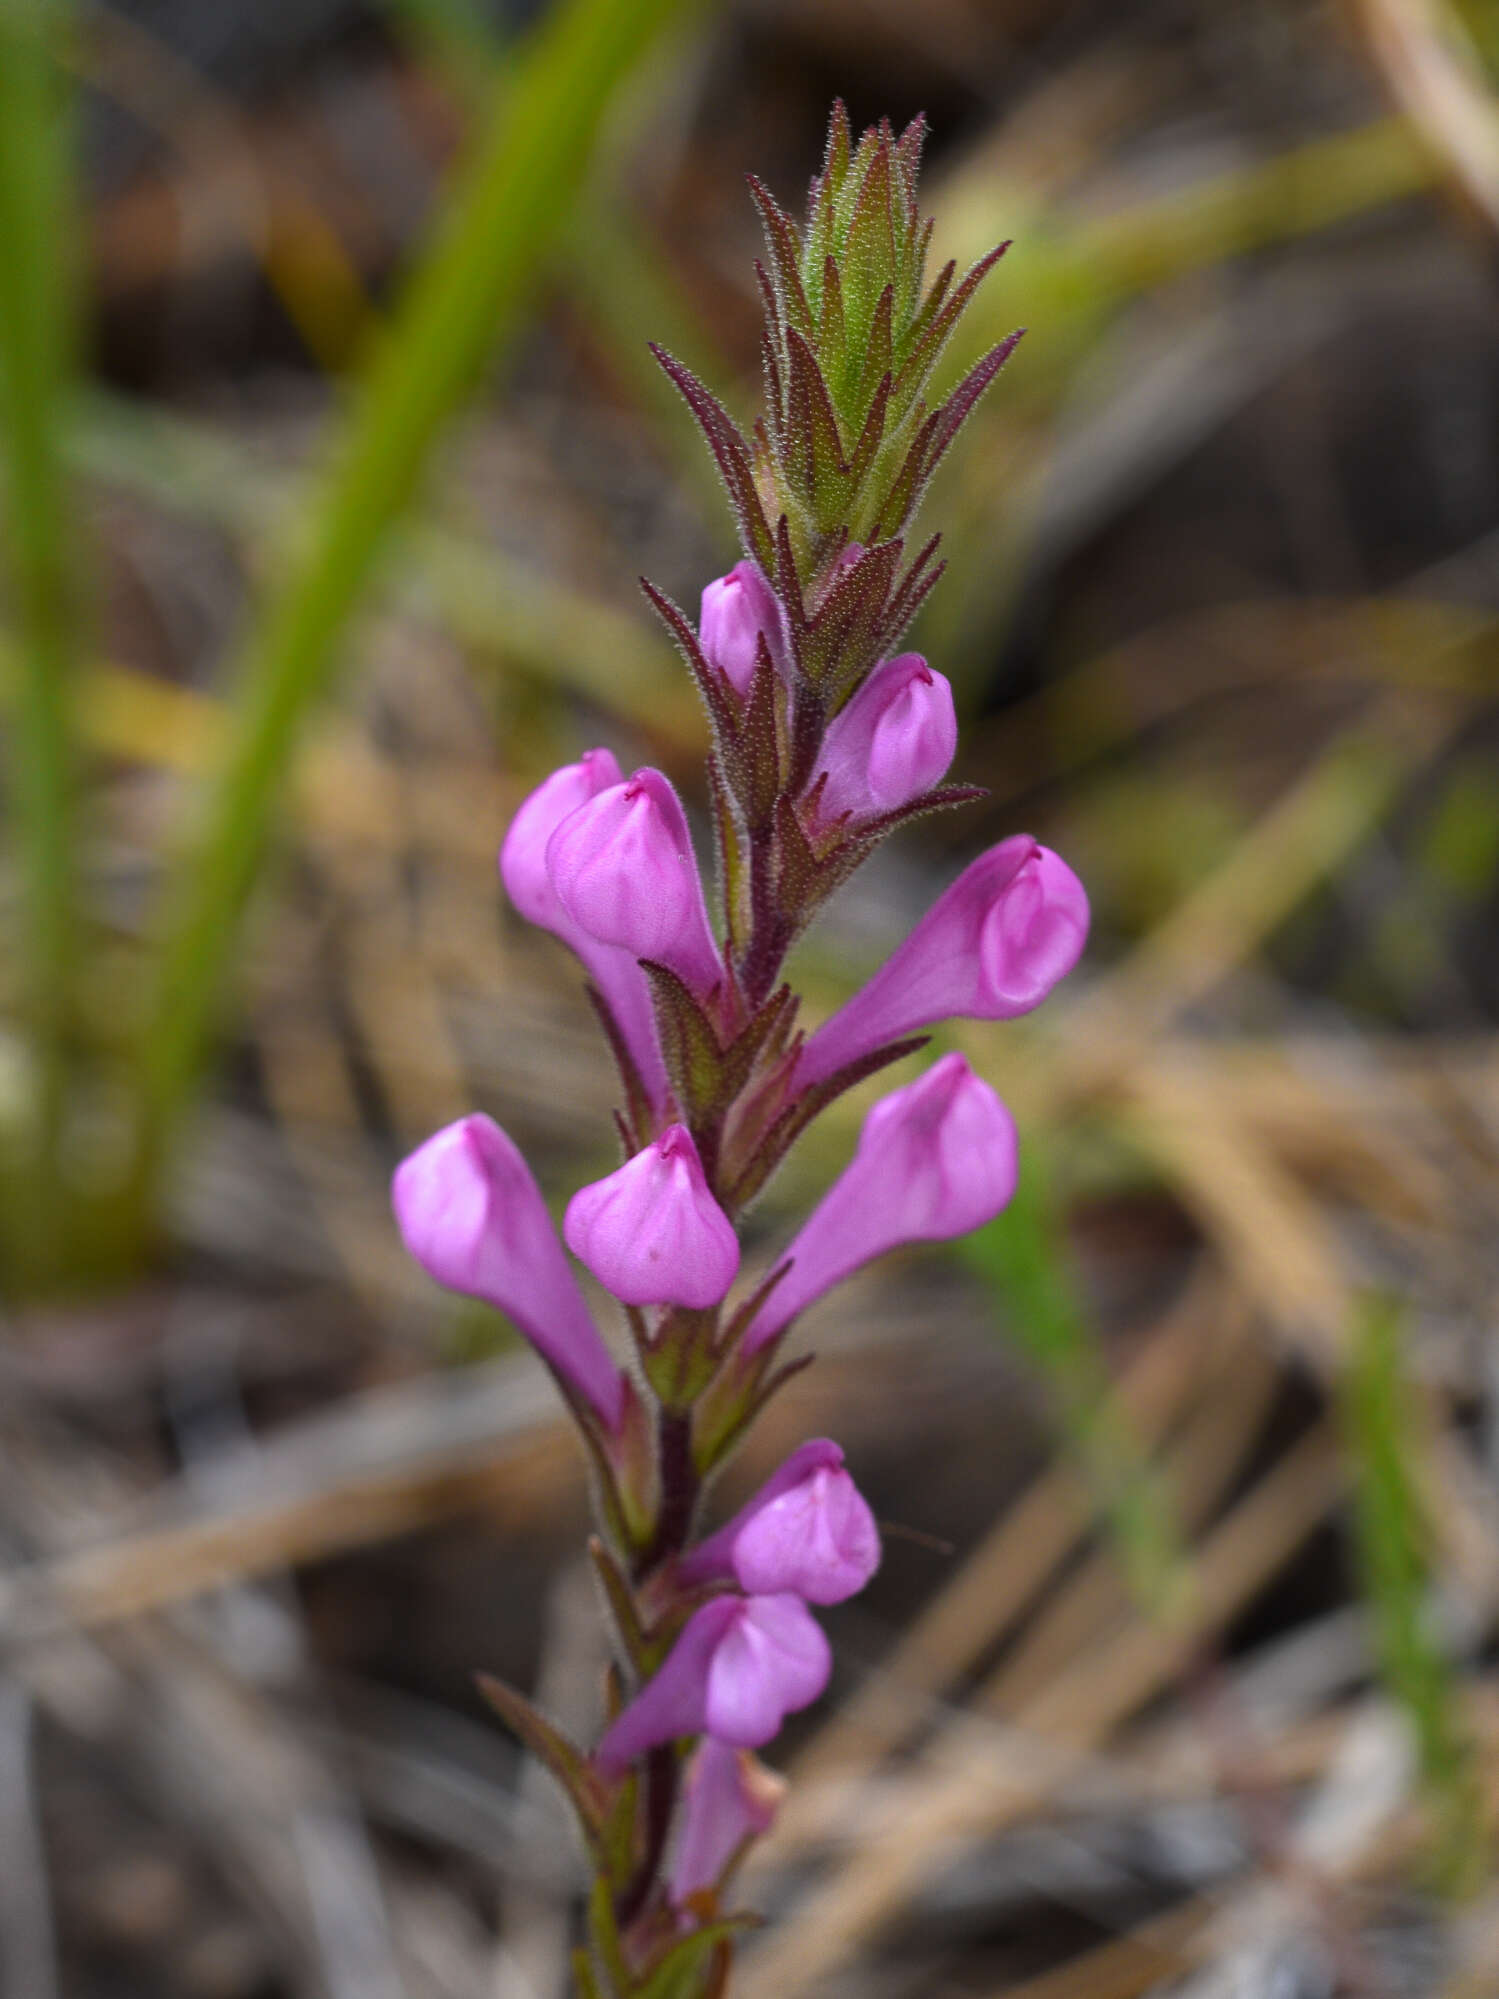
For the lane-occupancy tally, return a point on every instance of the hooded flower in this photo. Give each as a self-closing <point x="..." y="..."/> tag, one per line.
<point x="741" y="1665"/>
<point x="523" y="869"/>
<point x="624" y="870"/>
<point x="728" y="1797"/>
<point x="991" y="947"/>
<point x="807" y="1530"/>
<point x="934" y="1160"/>
<point x="652" y="1233"/>
<point x="472" y="1215"/>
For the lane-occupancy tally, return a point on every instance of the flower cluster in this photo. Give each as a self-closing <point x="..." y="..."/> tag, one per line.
<point x="825" y="738"/>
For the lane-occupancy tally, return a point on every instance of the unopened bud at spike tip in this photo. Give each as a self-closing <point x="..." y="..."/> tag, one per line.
<point x="738" y="611"/>
<point x="894" y="740"/>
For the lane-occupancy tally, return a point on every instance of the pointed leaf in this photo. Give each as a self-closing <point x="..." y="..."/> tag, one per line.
<point x="944" y="798"/>
<point x="689" y="1045"/>
<point x="794" y="1120"/>
<point x="870" y="438"/>
<point x="639" y="1116"/>
<point x="924" y="353"/>
<point x="878" y="353"/>
<point x="729" y="450"/>
<point x="710" y="684"/>
<point x="909" y="595"/>
<point x="869" y="254"/>
<point x="760" y="783"/>
<point x="584" y="1976"/>
<point x="621" y="1601"/>
<point x="816" y="446"/>
<point x="785" y="257"/>
<point x="603" y="1934"/>
<point x="585" y="1790"/>
<point x="733" y="862"/>
<point x="832" y="333"/>
<point x="964" y="399"/>
<point x="678" y="1974"/>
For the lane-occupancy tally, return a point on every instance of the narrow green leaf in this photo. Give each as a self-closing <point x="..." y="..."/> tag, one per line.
<point x="603" y="1933"/>
<point x="585" y="1791"/>
<point x="1022" y="1256"/>
<point x="464" y="303"/>
<point x="38" y="345"/>
<point x="1380" y="1427"/>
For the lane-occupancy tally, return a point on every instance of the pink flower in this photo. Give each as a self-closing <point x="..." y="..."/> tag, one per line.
<point x="741" y="1665"/>
<point x="728" y="1798"/>
<point x="993" y="946"/>
<point x="934" y="1160"/>
<point x="652" y="1233"/>
<point x="738" y="609"/>
<point x="893" y="740"/>
<point x="624" y="870"/>
<point x="472" y="1215"/>
<point x="806" y="1530"/>
<point x="619" y="979"/>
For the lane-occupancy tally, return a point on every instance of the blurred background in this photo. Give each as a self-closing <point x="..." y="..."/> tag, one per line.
<point x="331" y="451"/>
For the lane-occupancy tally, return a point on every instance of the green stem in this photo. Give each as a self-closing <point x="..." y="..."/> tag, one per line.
<point x="464" y="304"/>
<point x="37" y="352"/>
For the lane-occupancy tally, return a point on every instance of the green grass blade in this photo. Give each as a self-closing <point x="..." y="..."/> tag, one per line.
<point x="1024" y="1261"/>
<point x="38" y="347"/>
<point x="465" y="300"/>
<point x="1379" y="1423"/>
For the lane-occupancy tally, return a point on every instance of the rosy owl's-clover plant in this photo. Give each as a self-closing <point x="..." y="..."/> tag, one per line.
<point x="825" y="739"/>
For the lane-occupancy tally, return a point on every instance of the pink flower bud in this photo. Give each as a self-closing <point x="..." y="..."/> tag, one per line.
<point x="993" y="946"/>
<point x="934" y="1160"/>
<point x="893" y="740"/>
<point x="737" y="610"/>
<point x="624" y="869"/>
<point x="523" y="869"/>
<point x="728" y="1798"/>
<point x="741" y="1665"/>
<point x="471" y="1214"/>
<point x="652" y="1233"/>
<point x="806" y="1530"/>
